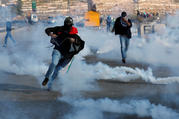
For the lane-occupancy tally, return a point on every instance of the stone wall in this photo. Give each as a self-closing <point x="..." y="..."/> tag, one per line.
<point x="52" y="7"/>
<point x="160" y="6"/>
<point x="131" y="6"/>
<point x="114" y="7"/>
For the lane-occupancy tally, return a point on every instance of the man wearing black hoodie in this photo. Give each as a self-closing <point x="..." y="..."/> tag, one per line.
<point x="122" y="27"/>
<point x="67" y="44"/>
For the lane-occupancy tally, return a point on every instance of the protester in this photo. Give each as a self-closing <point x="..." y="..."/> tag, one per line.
<point x="67" y="44"/>
<point x="108" y="23"/>
<point x="122" y="27"/>
<point x="8" y="34"/>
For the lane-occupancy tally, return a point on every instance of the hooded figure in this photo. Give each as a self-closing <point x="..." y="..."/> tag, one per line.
<point x="122" y="27"/>
<point x="67" y="43"/>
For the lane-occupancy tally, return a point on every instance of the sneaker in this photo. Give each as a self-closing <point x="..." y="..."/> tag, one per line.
<point x="124" y="61"/>
<point x="45" y="81"/>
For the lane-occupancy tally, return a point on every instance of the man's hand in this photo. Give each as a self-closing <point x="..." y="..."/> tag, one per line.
<point x="125" y="20"/>
<point x="72" y="40"/>
<point x="52" y="35"/>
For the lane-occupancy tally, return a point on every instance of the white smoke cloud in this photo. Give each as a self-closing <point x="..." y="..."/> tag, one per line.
<point x="82" y="76"/>
<point x="142" y="108"/>
<point x="26" y="57"/>
<point x="6" y="14"/>
<point x="31" y="56"/>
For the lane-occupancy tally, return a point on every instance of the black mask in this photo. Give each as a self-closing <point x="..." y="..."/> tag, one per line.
<point x="68" y="22"/>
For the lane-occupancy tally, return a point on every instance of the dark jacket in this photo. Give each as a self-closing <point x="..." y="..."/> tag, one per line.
<point x="120" y="30"/>
<point x="8" y="26"/>
<point x="108" y="20"/>
<point x="62" y="43"/>
<point x="77" y="46"/>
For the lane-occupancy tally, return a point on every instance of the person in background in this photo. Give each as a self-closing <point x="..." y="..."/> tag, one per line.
<point x="108" y="23"/>
<point x="122" y="27"/>
<point x="101" y="20"/>
<point x="112" y="22"/>
<point x="8" y="33"/>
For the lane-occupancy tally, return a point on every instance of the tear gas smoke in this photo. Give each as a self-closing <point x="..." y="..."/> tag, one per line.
<point x="96" y="108"/>
<point x="33" y="60"/>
